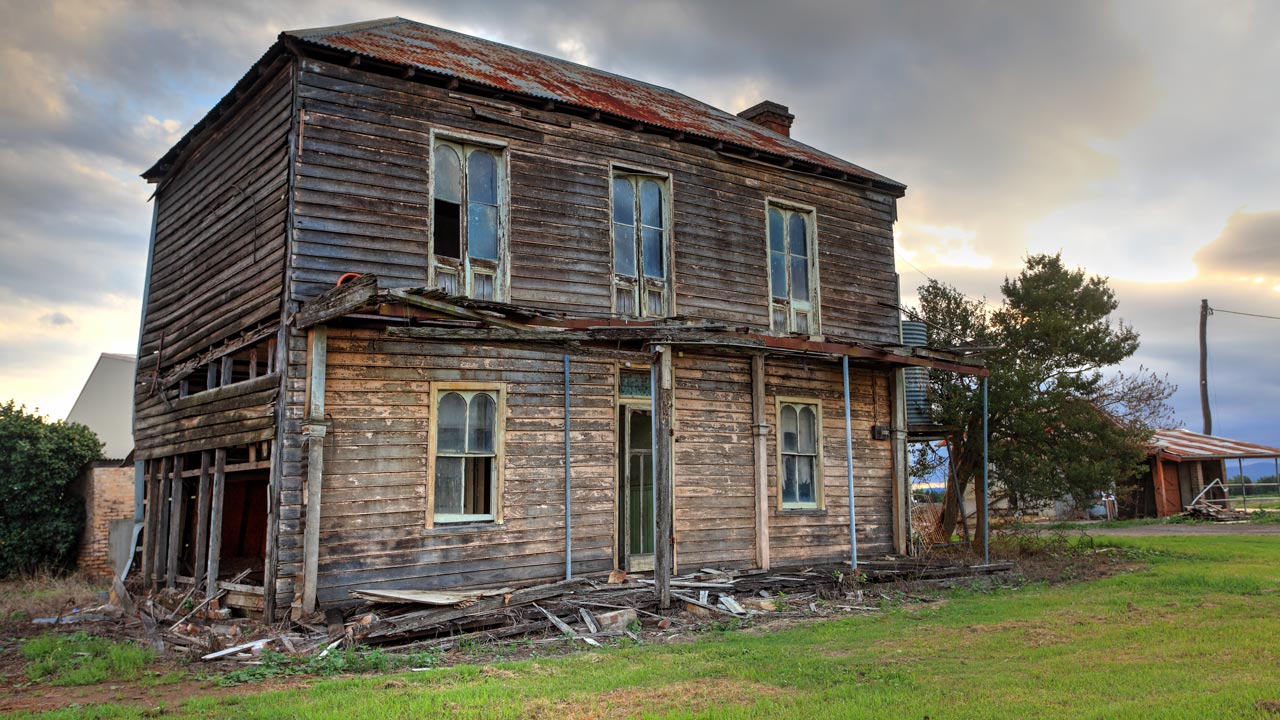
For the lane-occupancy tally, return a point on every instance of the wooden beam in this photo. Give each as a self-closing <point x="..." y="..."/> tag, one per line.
<point x="314" y="431"/>
<point x="345" y="298"/>
<point x="215" y="519"/>
<point x="152" y="491"/>
<point x="760" y="440"/>
<point x="448" y="308"/>
<point x="898" y="444"/>
<point x="202" y="517"/>
<point x="162" y="521"/>
<point x="177" y="499"/>
<point x="663" y="541"/>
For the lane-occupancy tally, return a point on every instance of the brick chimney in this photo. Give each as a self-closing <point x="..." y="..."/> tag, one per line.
<point x="771" y="115"/>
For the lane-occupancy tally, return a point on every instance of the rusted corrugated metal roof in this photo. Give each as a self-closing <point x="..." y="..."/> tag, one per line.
<point x="487" y="63"/>
<point x="1190" y="445"/>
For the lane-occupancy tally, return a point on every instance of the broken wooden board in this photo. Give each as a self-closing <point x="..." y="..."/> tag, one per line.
<point x="430" y="597"/>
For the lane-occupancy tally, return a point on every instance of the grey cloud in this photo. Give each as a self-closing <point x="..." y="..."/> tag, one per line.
<point x="1249" y="245"/>
<point x="56" y="319"/>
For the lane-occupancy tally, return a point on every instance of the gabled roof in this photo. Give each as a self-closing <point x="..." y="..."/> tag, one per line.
<point x="436" y="52"/>
<point x="105" y="404"/>
<point x="1186" y="444"/>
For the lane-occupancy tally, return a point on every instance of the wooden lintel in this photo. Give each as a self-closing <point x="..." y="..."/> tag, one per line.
<point x="448" y="308"/>
<point x="349" y="297"/>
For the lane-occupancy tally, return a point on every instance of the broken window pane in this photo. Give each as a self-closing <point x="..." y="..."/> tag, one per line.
<point x="446" y="231"/>
<point x="451" y="424"/>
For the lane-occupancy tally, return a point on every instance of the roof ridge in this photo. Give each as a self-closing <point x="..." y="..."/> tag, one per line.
<point x="328" y="30"/>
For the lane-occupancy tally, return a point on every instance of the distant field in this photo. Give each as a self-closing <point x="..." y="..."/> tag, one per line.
<point x="1189" y="634"/>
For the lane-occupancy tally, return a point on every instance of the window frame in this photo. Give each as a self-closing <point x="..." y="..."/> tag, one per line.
<point x="466" y="275"/>
<point x="810" y="215"/>
<point x="819" y="505"/>
<point x="438" y="390"/>
<point x="640" y="283"/>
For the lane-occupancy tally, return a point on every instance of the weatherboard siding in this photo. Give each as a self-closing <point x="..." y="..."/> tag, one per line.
<point x="362" y="205"/>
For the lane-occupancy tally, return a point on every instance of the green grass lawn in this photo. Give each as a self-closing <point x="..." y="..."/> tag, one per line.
<point x="1192" y="635"/>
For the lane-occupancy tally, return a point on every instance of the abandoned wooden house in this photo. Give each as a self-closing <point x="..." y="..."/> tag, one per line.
<point x="427" y="311"/>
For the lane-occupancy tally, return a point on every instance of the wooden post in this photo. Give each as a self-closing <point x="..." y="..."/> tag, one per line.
<point x="1204" y="366"/>
<point x="162" y="520"/>
<point x="202" y="518"/>
<point x="315" y="430"/>
<point x="177" y="499"/>
<point x="663" y="541"/>
<point x="760" y="440"/>
<point x="149" y="524"/>
<point x="215" y="519"/>
<point x="901" y="482"/>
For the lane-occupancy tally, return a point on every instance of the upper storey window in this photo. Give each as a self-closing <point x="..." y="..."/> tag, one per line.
<point x="468" y="233"/>
<point x="792" y="270"/>
<point x="640" y="245"/>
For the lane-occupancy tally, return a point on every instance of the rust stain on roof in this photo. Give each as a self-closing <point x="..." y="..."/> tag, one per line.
<point x="1189" y="445"/>
<point x="506" y="68"/>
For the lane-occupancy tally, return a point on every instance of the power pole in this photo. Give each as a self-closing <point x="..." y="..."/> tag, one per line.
<point x="1204" y="367"/>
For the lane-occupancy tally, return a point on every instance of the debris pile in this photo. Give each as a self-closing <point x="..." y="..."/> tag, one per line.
<point x="586" y="610"/>
<point x="1204" y="509"/>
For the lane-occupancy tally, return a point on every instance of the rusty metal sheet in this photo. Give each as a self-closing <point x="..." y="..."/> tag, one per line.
<point x="1186" y="444"/>
<point x="484" y="62"/>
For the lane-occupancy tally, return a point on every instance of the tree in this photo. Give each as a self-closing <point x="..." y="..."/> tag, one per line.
<point x="40" y="518"/>
<point x="1051" y="435"/>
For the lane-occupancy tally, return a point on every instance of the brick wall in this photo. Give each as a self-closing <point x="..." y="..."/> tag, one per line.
<point x="108" y="499"/>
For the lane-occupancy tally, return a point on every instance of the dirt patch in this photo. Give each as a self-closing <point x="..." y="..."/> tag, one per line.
<point x="1269" y="706"/>
<point x="132" y="694"/>
<point x="686" y="697"/>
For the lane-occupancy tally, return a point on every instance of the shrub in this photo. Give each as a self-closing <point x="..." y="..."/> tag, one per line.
<point x="40" y="518"/>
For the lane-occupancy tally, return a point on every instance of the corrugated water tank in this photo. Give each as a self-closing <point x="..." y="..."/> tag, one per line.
<point x="919" y="410"/>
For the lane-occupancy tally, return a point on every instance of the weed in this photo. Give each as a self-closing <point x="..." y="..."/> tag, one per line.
<point x="347" y="662"/>
<point x="81" y="659"/>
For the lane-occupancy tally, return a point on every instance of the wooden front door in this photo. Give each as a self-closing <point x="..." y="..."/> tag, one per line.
<point x="635" y="489"/>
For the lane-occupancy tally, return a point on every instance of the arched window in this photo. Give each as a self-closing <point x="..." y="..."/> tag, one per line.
<point x="467" y="220"/>
<point x="792" y="296"/>
<point x="640" y="241"/>
<point x="799" y="451"/>
<point x="467" y="457"/>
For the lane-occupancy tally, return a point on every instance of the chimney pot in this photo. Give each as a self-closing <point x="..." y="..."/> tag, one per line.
<point x="769" y="114"/>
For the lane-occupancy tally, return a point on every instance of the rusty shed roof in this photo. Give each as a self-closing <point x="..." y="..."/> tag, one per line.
<point x="486" y="63"/>
<point x="1186" y="444"/>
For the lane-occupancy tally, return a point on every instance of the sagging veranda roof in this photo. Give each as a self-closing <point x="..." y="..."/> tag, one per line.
<point x="477" y="62"/>
<point x="1183" y="444"/>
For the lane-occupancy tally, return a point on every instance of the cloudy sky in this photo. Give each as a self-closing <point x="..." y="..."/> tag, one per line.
<point x="1138" y="138"/>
